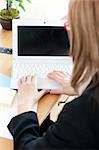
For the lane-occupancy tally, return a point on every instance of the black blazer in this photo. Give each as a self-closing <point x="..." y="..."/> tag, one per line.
<point x="77" y="127"/>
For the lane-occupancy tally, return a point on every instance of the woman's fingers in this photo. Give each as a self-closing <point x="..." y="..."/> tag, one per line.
<point x="59" y="76"/>
<point x="60" y="73"/>
<point x="28" y="79"/>
<point x="23" y="79"/>
<point x="34" y="81"/>
<point x="56" y="77"/>
<point x="19" y="82"/>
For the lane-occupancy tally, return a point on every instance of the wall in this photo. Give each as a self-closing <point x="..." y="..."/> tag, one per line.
<point x="50" y="9"/>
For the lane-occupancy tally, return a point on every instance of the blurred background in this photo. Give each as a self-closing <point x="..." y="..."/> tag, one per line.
<point x="43" y="9"/>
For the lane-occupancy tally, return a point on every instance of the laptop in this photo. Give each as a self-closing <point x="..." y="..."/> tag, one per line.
<point x="39" y="47"/>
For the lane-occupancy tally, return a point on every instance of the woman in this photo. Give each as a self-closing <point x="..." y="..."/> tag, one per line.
<point x="78" y="123"/>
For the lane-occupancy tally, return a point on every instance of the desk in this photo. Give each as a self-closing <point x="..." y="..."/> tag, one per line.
<point x="45" y="103"/>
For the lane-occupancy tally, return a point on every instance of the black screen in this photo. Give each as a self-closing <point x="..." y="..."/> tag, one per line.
<point x="42" y="41"/>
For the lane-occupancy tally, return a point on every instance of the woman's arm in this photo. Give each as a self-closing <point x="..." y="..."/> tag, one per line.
<point x="71" y="130"/>
<point x="26" y="132"/>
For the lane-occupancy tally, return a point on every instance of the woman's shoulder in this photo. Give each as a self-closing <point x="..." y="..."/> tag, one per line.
<point x="85" y="102"/>
<point x="83" y="109"/>
<point x="80" y="117"/>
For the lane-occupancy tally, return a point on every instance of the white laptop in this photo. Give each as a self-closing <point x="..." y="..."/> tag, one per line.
<point x="39" y="47"/>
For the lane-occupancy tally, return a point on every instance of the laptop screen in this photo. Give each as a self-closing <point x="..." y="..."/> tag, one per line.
<point x="42" y="41"/>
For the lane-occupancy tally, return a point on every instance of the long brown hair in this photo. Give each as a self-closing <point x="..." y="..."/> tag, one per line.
<point x="84" y="40"/>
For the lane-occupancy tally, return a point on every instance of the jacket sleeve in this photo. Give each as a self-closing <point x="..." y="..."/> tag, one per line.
<point x="72" y="129"/>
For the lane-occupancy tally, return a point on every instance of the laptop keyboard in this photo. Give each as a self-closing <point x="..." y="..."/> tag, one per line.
<point x="41" y="70"/>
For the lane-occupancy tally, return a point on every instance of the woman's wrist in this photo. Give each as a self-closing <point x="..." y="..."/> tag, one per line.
<point x="72" y="92"/>
<point x="24" y="108"/>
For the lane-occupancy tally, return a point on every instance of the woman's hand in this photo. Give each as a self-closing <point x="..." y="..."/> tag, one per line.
<point x="65" y="80"/>
<point x="28" y="93"/>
